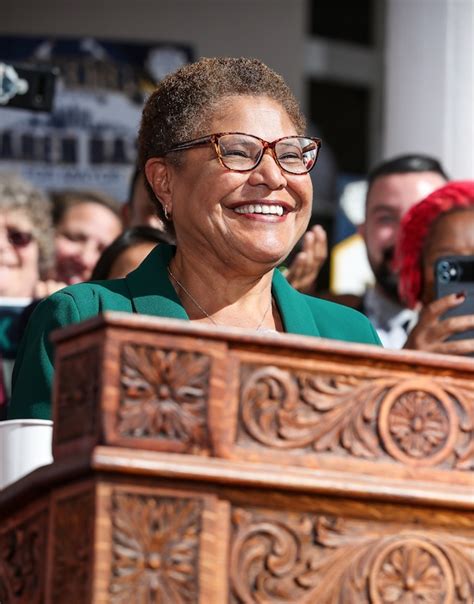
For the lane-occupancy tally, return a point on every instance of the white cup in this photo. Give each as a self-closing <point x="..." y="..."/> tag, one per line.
<point x="25" y="444"/>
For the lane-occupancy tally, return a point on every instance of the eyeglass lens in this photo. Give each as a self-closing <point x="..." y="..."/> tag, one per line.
<point x="19" y="238"/>
<point x="296" y="155"/>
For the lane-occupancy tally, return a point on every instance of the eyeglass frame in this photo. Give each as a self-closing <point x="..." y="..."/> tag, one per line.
<point x="214" y="139"/>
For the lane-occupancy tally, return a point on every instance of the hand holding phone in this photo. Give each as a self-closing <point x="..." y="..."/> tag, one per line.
<point x="455" y="275"/>
<point x="447" y="324"/>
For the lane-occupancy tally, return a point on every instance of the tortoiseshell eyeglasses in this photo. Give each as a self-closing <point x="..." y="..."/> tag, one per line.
<point x="241" y="152"/>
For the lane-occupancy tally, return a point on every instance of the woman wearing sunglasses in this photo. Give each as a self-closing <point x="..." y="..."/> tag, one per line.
<point x="26" y="254"/>
<point x="26" y="239"/>
<point x="227" y="164"/>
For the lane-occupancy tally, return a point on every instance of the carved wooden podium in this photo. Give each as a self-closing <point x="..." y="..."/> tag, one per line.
<point x="198" y="465"/>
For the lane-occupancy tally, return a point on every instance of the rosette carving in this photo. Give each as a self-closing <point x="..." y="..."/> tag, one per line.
<point x="306" y="558"/>
<point x="411" y="570"/>
<point x="73" y="540"/>
<point x="77" y="398"/>
<point x="155" y="548"/>
<point x="163" y="395"/>
<point x="418" y="425"/>
<point x="22" y="556"/>
<point x="415" y="422"/>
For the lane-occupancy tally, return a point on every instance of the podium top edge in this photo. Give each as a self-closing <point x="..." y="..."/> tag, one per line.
<point x="234" y="336"/>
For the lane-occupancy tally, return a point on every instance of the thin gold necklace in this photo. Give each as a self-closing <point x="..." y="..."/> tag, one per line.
<point x="206" y="314"/>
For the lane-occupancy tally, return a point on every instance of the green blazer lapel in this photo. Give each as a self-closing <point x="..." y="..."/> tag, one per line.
<point x="295" y="312"/>
<point x="150" y="288"/>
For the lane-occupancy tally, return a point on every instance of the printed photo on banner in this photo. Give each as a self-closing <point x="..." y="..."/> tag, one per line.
<point x="88" y="139"/>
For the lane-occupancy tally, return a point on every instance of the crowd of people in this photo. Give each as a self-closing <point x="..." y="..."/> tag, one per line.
<point x="220" y="197"/>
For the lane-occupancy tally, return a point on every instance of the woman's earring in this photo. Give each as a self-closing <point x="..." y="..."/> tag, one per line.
<point x="167" y="216"/>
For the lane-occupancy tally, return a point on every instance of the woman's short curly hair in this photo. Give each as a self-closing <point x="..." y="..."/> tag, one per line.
<point x="415" y="229"/>
<point x="181" y="106"/>
<point x="18" y="195"/>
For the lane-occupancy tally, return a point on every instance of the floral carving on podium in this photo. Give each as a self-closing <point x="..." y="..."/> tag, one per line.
<point x="412" y="570"/>
<point x="416" y="421"/>
<point x="418" y="424"/>
<point x="73" y="538"/>
<point x="287" y="558"/>
<point x="22" y="561"/>
<point x="77" y="401"/>
<point x="163" y="395"/>
<point x="155" y="548"/>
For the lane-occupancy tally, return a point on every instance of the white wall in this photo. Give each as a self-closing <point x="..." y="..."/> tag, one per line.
<point x="271" y="30"/>
<point x="429" y="91"/>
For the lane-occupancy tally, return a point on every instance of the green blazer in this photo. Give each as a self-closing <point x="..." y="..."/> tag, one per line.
<point x="147" y="290"/>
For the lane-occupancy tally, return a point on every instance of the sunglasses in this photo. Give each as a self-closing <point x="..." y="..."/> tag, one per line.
<point x="17" y="238"/>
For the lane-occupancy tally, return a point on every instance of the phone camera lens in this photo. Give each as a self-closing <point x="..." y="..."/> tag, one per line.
<point x="444" y="277"/>
<point x="445" y="271"/>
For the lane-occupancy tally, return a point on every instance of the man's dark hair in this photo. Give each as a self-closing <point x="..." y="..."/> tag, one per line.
<point x="403" y="164"/>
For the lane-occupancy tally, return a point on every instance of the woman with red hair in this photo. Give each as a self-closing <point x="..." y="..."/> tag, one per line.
<point x="440" y="225"/>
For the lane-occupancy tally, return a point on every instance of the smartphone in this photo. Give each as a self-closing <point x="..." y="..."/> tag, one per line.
<point x="454" y="274"/>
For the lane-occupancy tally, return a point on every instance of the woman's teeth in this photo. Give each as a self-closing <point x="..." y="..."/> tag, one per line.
<point x="260" y="209"/>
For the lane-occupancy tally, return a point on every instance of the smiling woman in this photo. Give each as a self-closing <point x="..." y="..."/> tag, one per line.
<point x="26" y="234"/>
<point x="222" y="144"/>
<point x="86" y="222"/>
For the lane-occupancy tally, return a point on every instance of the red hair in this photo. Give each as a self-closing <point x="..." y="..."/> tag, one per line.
<point x="415" y="229"/>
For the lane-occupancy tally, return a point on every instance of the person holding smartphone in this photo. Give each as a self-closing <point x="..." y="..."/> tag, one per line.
<point x="439" y="229"/>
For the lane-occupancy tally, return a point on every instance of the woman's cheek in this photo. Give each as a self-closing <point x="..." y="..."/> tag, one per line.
<point x="65" y="247"/>
<point x="30" y="259"/>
